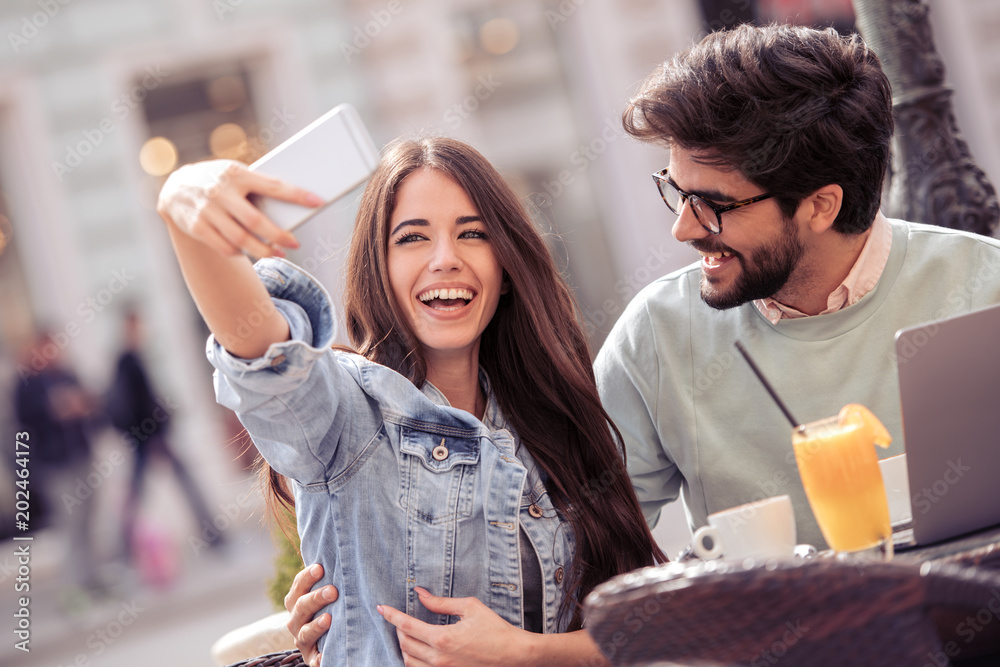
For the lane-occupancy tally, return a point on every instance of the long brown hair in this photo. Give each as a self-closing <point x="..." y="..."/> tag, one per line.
<point x="533" y="350"/>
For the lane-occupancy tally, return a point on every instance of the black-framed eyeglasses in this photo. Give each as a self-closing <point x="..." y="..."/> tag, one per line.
<point x="709" y="215"/>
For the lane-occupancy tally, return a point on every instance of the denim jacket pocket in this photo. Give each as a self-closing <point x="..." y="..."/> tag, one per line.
<point x="437" y="475"/>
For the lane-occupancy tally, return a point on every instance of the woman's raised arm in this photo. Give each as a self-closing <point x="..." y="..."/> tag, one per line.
<point x="211" y="224"/>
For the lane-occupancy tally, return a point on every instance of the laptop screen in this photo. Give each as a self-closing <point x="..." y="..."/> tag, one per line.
<point x="949" y="383"/>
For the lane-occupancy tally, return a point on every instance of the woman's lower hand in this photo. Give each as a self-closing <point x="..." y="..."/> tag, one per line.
<point x="208" y="201"/>
<point x="303" y="603"/>
<point x="480" y="637"/>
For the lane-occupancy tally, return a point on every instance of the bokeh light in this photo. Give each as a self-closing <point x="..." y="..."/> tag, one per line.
<point x="228" y="140"/>
<point x="158" y="156"/>
<point x="227" y="93"/>
<point x="6" y="232"/>
<point x="499" y="36"/>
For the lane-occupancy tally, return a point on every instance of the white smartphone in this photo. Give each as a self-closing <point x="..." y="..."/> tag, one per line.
<point x="331" y="156"/>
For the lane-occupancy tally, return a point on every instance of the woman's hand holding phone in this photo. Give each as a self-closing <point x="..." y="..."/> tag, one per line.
<point x="211" y="224"/>
<point x="208" y="202"/>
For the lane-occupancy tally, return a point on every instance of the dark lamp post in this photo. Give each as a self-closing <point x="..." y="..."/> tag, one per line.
<point x="934" y="179"/>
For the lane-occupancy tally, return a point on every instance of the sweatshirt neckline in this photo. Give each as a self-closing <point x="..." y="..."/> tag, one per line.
<point x="831" y="325"/>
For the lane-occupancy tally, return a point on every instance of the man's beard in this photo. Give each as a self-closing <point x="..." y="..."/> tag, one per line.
<point x="763" y="275"/>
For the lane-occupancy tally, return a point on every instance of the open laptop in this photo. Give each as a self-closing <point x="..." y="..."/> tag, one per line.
<point x="949" y="385"/>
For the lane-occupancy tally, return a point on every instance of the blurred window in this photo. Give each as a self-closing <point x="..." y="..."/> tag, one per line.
<point x="815" y="13"/>
<point x="723" y="14"/>
<point x="205" y="113"/>
<point x="202" y="116"/>
<point x="17" y="320"/>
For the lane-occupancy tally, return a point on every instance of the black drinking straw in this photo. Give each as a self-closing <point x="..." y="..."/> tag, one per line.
<point x="767" y="385"/>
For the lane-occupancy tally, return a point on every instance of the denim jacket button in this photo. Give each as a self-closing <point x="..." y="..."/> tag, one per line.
<point x="535" y="511"/>
<point x="559" y="575"/>
<point x="440" y="453"/>
<point x="278" y="360"/>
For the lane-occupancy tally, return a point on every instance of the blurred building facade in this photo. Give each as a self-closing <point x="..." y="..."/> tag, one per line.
<point x="100" y="99"/>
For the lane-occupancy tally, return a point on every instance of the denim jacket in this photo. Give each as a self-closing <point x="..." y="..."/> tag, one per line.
<point x="394" y="488"/>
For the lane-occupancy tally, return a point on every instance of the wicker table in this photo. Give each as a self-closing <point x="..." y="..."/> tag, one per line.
<point x="915" y="610"/>
<point x="981" y="549"/>
<point x="291" y="658"/>
<point x="808" y="614"/>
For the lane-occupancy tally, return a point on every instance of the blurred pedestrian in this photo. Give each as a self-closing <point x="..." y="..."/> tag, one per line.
<point x="56" y="412"/>
<point x="134" y="410"/>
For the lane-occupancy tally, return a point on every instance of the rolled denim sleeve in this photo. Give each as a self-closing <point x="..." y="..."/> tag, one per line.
<point x="294" y="399"/>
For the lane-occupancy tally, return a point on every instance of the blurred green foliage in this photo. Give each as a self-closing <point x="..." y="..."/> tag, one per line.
<point x="287" y="561"/>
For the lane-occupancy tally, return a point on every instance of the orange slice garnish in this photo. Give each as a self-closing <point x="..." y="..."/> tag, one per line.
<point x="854" y="413"/>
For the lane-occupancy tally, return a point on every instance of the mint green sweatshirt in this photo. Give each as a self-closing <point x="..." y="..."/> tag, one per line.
<point x="697" y="422"/>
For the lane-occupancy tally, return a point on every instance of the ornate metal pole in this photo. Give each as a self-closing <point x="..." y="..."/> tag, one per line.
<point x="934" y="179"/>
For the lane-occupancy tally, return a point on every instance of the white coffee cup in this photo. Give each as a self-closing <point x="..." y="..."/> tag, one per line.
<point x="761" y="529"/>
<point x="897" y="488"/>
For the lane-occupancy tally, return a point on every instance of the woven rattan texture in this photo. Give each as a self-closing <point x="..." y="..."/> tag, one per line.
<point x="283" y="659"/>
<point x="815" y="614"/>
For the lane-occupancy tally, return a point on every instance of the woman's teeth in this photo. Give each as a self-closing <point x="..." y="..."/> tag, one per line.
<point x="446" y="298"/>
<point x="449" y="294"/>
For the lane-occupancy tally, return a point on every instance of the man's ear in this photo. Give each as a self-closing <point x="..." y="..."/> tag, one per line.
<point x="822" y="207"/>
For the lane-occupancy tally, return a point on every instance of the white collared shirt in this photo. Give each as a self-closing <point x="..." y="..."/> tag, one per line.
<point x="861" y="280"/>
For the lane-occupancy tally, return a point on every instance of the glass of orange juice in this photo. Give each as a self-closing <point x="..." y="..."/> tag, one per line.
<point x="839" y="469"/>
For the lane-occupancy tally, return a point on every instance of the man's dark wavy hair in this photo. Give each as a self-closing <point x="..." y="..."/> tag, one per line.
<point x="794" y="109"/>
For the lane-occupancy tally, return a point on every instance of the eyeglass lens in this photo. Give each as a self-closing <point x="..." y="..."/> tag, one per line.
<point x="671" y="197"/>
<point x="705" y="215"/>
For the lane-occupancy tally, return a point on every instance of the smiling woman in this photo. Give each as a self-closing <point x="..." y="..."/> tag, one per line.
<point x="444" y="274"/>
<point x="445" y="471"/>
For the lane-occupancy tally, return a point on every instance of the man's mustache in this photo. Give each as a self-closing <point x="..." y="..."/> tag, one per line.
<point x="709" y="245"/>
